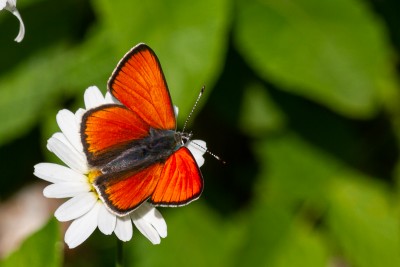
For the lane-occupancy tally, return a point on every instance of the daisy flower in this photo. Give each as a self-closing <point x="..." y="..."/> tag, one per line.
<point x="84" y="207"/>
<point x="11" y="5"/>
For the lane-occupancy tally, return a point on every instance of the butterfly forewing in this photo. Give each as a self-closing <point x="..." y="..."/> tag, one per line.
<point x="107" y="129"/>
<point x="138" y="82"/>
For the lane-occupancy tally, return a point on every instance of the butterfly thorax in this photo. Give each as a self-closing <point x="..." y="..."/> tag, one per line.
<point x="140" y="154"/>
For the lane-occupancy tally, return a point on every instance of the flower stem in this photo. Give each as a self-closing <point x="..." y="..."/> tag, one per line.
<point x="119" y="261"/>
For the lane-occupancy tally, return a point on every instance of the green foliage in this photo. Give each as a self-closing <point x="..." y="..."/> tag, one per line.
<point x="193" y="230"/>
<point x="190" y="35"/>
<point x="302" y="101"/>
<point x="363" y="222"/>
<point x="333" y="52"/>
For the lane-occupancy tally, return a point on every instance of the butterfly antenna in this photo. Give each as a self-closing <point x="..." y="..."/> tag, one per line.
<point x="194" y="106"/>
<point x="209" y="152"/>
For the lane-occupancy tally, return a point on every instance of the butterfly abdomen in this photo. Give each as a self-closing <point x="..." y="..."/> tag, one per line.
<point x="140" y="154"/>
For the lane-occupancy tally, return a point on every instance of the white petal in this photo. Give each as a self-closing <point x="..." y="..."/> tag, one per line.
<point x="106" y="221"/>
<point x="93" y="97"/>
<point x="21" y="32"/>
<point x="59" y="145"/>
<point x="69" y="126"/>
<point x="55" y="173"/>
<point x="66" y="189"/>
<point x="10" y="5"/>
<point x="78" y="115"/>
<point x="146" y="229"/>
<point x="82" y="228"/>
<point x="3" y="4"/>
<point x="176" y="110"/>
<point x="198" y="148"/>
<point x="110" y="99"/>
<point x="123" y="228"/>
<point x="75" y="207"/>
<point x="154" y="217"/>
<point x="150" y="223"/>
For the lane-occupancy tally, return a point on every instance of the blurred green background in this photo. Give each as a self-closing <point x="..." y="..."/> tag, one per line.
<point x="302" y="101"/>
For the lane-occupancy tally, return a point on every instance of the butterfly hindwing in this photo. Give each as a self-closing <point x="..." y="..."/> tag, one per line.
<point x="180" y="180"/>
<point x="176" y="182"/>
<point x="123" y="193"/>
<point x="139" y="83"/>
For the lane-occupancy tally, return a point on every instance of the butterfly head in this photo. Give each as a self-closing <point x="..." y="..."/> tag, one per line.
<point x="182" y="137"/>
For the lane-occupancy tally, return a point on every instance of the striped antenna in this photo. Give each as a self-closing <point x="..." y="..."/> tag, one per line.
<point x="194" y="106"/>
<point x="190" y="134"/>
<point x="209" y="152"/>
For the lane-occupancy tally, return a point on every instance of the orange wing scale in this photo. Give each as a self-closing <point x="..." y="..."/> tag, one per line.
<point x="127" y="193"/>
<point x="108" y="128"/>
<point x="180" y="181"/>
<point x="138" y="82"/>
<point x="176" y="182"/>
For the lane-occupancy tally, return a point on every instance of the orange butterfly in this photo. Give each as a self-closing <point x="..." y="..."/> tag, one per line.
<point x="135" y="145"/>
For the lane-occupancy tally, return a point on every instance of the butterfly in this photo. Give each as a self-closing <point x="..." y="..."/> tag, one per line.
<point x="135" y="146"/>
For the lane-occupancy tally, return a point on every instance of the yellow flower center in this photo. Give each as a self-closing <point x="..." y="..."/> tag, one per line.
<point x="92" y="175"/>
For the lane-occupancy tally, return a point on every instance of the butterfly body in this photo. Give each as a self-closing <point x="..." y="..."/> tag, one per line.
<point x="140" y="154"/>
<point x="134" y="145"/>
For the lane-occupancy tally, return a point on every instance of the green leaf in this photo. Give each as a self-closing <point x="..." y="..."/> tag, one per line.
<point x="43" y="248"/>
<point x="294" y="170"/>
<point x="288" y="193"/>
<point x="259" y="114"/>
<point x="358" y="214"/>
<point x="303" y="246"/>
<point x="196" y="237"/>
<point x="48" y="78"/>
<point x="364" y="223"/>
<point x="90" y="63"/>
<point x="25" y="91"/>
<point x="188" y="37"/>
<point x="277" y="239"/>
<point x="333" y="52"/>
